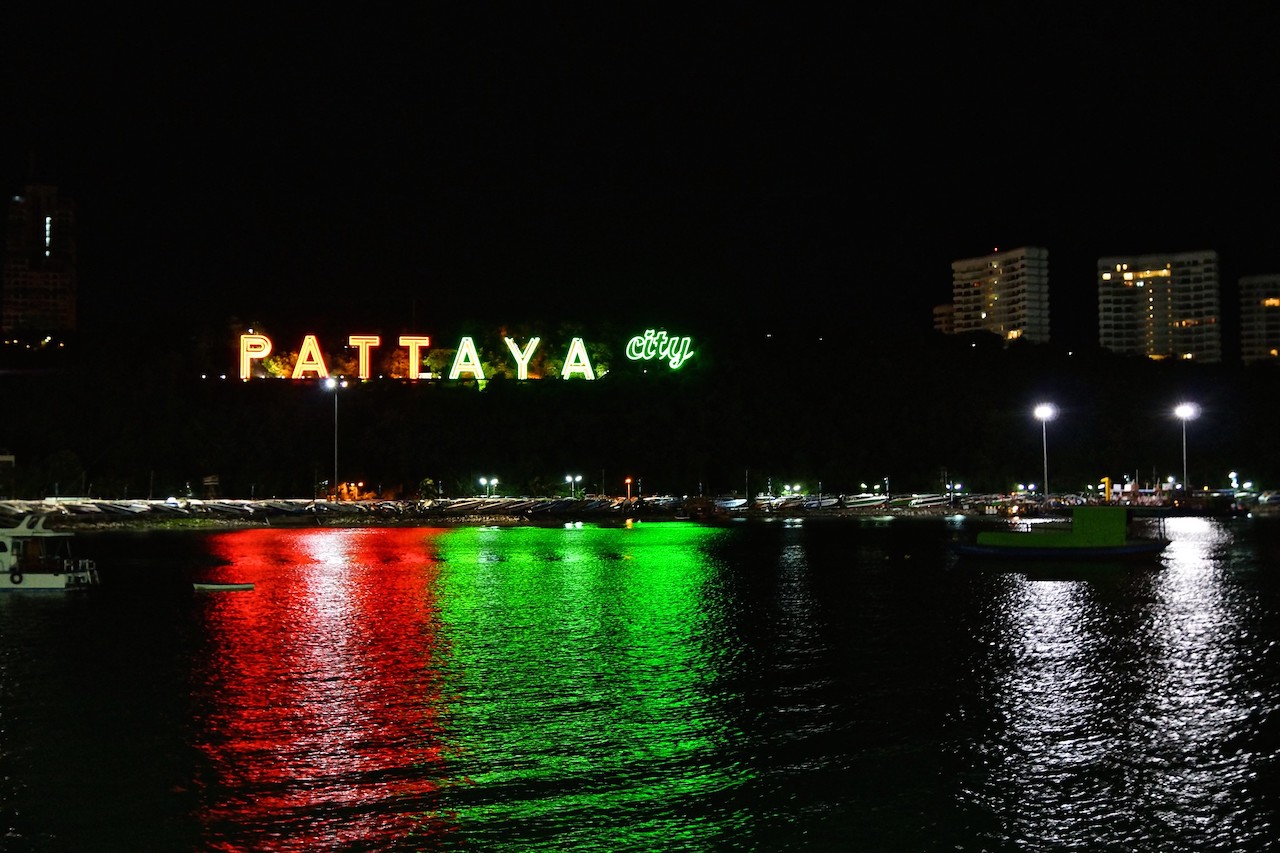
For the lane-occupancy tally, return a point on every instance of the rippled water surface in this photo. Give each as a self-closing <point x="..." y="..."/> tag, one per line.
<point x="839" y="685"/>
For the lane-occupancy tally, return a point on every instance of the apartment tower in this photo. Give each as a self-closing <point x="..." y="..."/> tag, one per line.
<point x="1260" y="318"/>
<point x="38" y="278"/>
<point x="1161" y="306"/>
<point x="1004" y="293"/>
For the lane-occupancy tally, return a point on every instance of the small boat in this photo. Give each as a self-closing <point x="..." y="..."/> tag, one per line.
<point x="35" y="557"/>
<point x="1094" y="533"/>
<point x="1267" y="505"/>
<point x="207" y="586"/>
<point x="863" y="500"/>
<point x="929" y="500"/>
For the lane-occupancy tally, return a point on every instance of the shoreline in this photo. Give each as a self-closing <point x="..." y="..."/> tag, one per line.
<point x="467" y="519"/>
<point x="101" y="515"/>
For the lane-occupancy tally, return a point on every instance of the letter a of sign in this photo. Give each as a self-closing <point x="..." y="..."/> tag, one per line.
<point x="466" y="361"/>
<point x="576" y="361"/>
<point x="309" y="358"/>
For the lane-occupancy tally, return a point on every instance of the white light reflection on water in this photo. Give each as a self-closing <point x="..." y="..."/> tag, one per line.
<point x="1116" y="702"/>
<point x="1199" y="700"/>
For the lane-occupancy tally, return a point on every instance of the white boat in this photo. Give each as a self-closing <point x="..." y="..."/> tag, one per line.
<point x="863" y="500"/>
<point x="730" y="503"/>
<point x="821" y="502"/>
<point x="1267" y="504"/>
<point x="34" y="557"/>
<point x="209" y="586"/>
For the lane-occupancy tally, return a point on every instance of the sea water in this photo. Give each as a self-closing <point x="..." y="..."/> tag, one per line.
<point x="816" y="685"/>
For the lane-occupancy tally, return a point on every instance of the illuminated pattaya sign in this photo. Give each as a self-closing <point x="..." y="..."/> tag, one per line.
<point x="310" y="362"/>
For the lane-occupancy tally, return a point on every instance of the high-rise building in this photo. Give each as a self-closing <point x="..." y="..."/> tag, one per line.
<point x="944" y="318"/>
<point x="1161" y="306"/>
<point x="38" y="278"/>
<point x="1004" y="293"/>
<point x="1260" y="318"/>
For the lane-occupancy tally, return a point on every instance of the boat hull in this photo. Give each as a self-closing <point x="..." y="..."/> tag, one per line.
<point x="17" y="580"/>
<point x="1143" y="550"/>
<point x="33" y="556"/>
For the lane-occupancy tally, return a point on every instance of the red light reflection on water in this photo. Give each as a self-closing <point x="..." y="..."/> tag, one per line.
<point x="318" y="694"/>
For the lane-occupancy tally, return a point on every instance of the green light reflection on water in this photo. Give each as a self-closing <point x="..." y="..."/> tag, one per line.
<point x="585" y="709"/>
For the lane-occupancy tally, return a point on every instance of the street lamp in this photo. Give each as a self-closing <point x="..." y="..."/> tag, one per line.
<point x="571" y="480"/>
<point x="628" y="482"/>
<point x="489" y="485"/>
<point x="333" y="385"/>
<point x="1045" y="412"/>
<point x="1185" y="412"/>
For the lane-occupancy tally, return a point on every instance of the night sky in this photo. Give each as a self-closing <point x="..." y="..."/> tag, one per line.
<point x="585" y="161"/>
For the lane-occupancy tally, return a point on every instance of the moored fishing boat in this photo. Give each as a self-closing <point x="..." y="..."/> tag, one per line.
<point x="34" y="557"/>
<point x="1094" y="533"/>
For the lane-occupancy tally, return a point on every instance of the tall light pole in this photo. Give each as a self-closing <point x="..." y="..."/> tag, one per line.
<point x="628" y="481"/>
<point x="1185" y="412"/>
<point x="333" y="385"/>
<point x="571" y="480"/>
<point x="1045" y="412"/>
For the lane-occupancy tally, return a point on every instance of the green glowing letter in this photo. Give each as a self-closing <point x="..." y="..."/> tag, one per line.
<point x="466" y="361"/>
<point x="522" y="358"/>
<point x="576" y="361"/>
<point x="653" y="345"/>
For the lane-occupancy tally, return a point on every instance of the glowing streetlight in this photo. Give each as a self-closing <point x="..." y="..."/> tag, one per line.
<point x="333" y="385"/>
<point x="489" y="485"/>
<point x="1045" y="412"/>
<point x="572" y="480"/>
<point x="628" y="482"/>
<point x="1185" y="412"/>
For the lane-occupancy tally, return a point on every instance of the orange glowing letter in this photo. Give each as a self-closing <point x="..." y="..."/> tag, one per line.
<point x="415" y="343"/>
<point x="362" y="343"/>
<point x="251" y="347"/>
<point x="309" y="358"/>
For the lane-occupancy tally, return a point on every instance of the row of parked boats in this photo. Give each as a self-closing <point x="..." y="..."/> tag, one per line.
<point x="863" y="500"/>
<point x="107" y="510"/>
<point x="676" y="506"/>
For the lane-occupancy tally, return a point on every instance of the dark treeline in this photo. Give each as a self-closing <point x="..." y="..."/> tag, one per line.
<point x="743" y="415"/>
